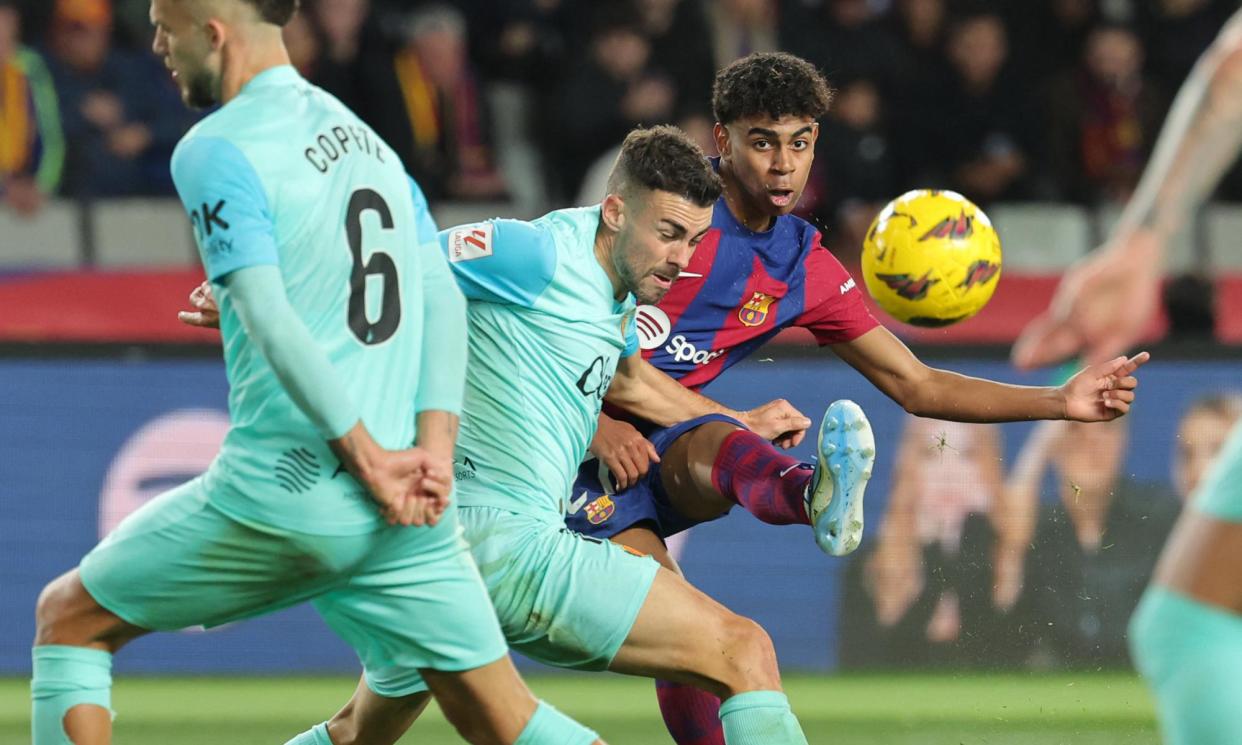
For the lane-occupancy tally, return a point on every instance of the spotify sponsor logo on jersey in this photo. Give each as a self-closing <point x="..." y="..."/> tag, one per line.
<point x="653" y="330"/>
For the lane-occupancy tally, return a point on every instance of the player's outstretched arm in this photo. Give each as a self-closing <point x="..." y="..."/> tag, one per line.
<point x="1098" y="393"/>
<point x="643" y="389"/>
<point x="1105" y="302"/>
<point x="403" y="483"/>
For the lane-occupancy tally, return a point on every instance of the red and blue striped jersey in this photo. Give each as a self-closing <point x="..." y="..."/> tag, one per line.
<point x="740" y="289"/>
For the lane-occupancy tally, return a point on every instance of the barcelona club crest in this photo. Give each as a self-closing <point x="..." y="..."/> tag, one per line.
<point x="755" y="311"/>
<point x="600" y="510"/>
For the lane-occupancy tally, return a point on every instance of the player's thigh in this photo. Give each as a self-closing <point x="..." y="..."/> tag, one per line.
<point x="686" y="471"/>
<point x="562" y="598"/>
<point x="644" y="540"/>
<point x="416" y="602"/>
<point x="681" y="634"/>
<point x="178" y="561"/>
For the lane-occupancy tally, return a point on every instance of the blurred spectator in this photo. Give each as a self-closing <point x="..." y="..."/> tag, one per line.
<point x="1094" y="547"/>
<point x="1190" y="304"/>
<point x="742" y="27"/>
<point x="444" y="109"/>
<point x="978" y="122"/>
<point x="929" y="575"/>
<point x="681" y="47"/>
<point x="121" y="113"/>
<point x="844" y="38"/>
<point x="1179" y="32"/>
<point x="1201" y="434"/>
<point x="919" y="26"/>
<point x="519" y="40"/>
<point x="1104" y="119"/>
<point x="854" y="173"/>
<point x="302" y="41"/>
<point x="31" y="144"/>
<point x="609" y="92"/>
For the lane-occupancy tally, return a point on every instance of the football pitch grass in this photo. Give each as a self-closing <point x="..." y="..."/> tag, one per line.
<point x="897" y="709"/>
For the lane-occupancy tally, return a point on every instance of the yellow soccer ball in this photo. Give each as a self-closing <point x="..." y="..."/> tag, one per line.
<point x="931" y="258"/>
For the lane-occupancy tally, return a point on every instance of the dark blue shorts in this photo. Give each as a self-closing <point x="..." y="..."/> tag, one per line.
<point x="597" y="509"/>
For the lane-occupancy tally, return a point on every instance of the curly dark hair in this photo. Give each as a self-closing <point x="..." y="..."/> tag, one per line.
<point x="664" y="158"/>
<point x="773" y="83"/>
<point x="278" y="12"/>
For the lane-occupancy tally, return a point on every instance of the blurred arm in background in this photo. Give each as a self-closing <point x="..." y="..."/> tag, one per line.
<point x="1105" y="302"/>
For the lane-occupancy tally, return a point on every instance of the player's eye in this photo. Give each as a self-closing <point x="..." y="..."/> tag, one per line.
<point x="761" y="144"/>
<point x="800" y="145"/>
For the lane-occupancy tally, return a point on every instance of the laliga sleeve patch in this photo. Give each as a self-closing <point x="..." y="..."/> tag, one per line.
<point x="470" y="242"/>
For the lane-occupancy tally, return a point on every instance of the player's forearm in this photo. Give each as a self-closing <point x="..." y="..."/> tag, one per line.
<point x="1200" y="140"/>
<point x="437" y="432"/>
<point x="257" y="295"/>
<point x="961" y="398"/>
<point x="642" y="389"/>
<point x="442" y="376"/>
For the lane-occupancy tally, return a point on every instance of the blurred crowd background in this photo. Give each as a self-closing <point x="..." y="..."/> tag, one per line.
<point x="523" y="101"/>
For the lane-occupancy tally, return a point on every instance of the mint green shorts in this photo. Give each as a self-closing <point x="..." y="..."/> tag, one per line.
<point x="562" y="598"/>
<point x="404" y="598"/>
<point x="1220" y="493"/>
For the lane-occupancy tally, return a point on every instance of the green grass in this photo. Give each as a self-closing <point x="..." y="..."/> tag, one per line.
<point x="1079" y="709"/>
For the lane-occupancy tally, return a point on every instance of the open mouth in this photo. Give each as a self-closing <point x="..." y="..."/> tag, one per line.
<point x="781" y="197"/>
<point x="663" y="280"/>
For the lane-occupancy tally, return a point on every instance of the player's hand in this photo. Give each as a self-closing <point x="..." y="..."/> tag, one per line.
<point x="412" y="487"/>
<point x="777" y="421"/>
<point x="1101" y="307"/>
<point x="1104" y="391"/>
<point x="206" y="313"/>
<point x="623" y="450"/>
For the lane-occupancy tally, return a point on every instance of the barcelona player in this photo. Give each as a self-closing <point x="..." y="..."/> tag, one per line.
<point x="758" y="271"/>
<point x="344" y="340"/>
<point x="1186" y="634"/>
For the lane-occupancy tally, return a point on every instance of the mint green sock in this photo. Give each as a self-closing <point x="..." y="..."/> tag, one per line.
<point x="548" y="726"/>
<point x="1191" y="654"/>
<point x="317" y="735"/>
<point x="760" y="718"/>
<point x="65" y="677"/>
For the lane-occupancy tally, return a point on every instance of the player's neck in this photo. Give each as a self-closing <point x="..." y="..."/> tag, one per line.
<point x="751" y="216"/>
<point x="245" y="58"/>
<point x="605" y="244"/>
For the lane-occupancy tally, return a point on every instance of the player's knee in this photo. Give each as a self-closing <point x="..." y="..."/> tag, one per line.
<point x="750" y="656"/>
<point x="54" y="610"/>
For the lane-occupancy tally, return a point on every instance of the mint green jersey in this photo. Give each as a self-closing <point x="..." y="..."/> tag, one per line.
<point x="545" y="336"/>
<point x="286" y="175"/>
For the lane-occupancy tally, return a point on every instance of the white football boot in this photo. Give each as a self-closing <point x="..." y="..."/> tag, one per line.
<point x="834" y="497"/>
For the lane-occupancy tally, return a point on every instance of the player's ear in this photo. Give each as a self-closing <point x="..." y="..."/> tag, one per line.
<point x="215" y="34"/>
<point x="612" y="212"/>
<point x="721" y="135"/>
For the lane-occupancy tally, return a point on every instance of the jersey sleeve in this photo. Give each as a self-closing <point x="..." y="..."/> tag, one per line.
<point x="835" y="311"/>
<point x="227" y="205"/>
<point x="443" y="353"/>
<point x="501" y="261"/>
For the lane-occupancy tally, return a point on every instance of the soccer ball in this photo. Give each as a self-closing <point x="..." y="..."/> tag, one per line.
<point x="931" y="258"/>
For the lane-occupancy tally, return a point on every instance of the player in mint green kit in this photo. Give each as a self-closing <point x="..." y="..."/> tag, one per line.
<point x="1186" y="634"/>
<point x="344" y="344"/>
<point x="551" y="321"/>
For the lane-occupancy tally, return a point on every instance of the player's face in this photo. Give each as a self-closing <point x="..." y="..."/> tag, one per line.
<point x="770" y="160"/>
<point x="656" y="239"/>
<point x="187" y="49"/>
<point x="1200" y="438"/>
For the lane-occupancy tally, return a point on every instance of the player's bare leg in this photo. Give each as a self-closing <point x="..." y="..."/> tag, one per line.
<point x="691" y="714"/>
<point x="713" y="467"/>
<point x="1186" y="635"/>
<point x="489" y="705"/>
<point x="68" y="619"/>
<point x="683" y="635"/>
